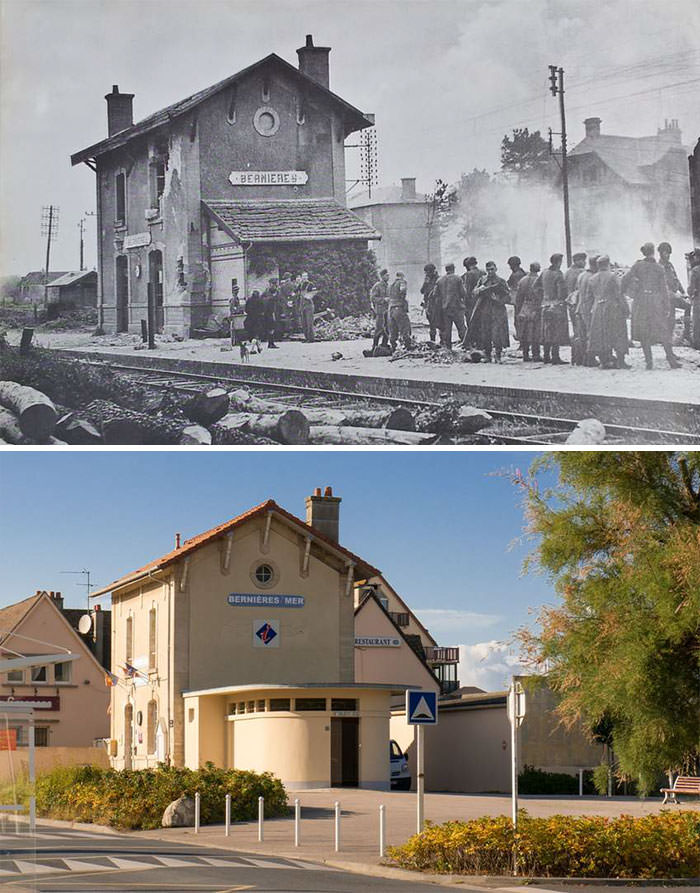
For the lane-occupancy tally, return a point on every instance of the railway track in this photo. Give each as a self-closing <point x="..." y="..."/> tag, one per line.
<point x="512" y="427"/>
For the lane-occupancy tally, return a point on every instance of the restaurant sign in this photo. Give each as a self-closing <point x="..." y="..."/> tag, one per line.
<point x="268" y="178"/>
<point x="37" y="702"/>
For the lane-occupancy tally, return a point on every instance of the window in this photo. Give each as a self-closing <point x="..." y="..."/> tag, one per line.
<point x="309" y="703"/>
<point x="38" y="674"/>
<point x="157" y="168"/>
<point x="264" y="574"/>
<point x="121" y="198"/>
<point x="384" y="602"/>
<point x="279" y="704"/>
<point x="61" y="672"/>
<point x="260" y="707"/>
<point x="129" y="645"/>
<point x="41" y="737"/>
<point x="151" y="722"/>
<point x="343" y="703"/>
<point x="400" y="618"/>
<point x="241" y="707"/>
<point x="15" y="675"/>
<point x="152" y="639"/>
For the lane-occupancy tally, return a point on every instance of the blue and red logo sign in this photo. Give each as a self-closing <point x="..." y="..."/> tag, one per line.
<point x="267" y="633"/>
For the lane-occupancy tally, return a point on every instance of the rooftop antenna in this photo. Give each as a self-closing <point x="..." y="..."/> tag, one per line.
<point x="88" y="585"/>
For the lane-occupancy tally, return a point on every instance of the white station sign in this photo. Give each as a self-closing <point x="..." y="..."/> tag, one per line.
<point x="268" y="178"/>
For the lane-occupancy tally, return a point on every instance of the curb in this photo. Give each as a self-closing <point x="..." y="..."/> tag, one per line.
<point x="80" y="826"/>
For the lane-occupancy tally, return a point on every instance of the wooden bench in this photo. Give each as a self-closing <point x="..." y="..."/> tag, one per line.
<point x="684" y="784"/>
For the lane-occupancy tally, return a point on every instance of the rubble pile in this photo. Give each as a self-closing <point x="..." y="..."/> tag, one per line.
<point x="348" y="328"/>
<point x="452" y="418"/>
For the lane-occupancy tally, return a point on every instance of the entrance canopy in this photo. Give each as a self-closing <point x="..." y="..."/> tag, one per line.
<point x="289" y="220"/>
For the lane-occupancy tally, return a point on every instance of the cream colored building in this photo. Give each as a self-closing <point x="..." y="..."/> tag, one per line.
<point x="239" y="647"/>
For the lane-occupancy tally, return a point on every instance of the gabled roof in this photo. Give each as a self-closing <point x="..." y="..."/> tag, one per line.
<point x="70" y="278"/>
<point x="387" y="585"/>
<point x="385" y="195"/>
<point x="12" y="615"/>
<point x="36" y="277"/>
<point x="355" y="119"/>
<point x="629" y="157"/>
<point x="289" y="220"/>
<point x="190" y="545"/>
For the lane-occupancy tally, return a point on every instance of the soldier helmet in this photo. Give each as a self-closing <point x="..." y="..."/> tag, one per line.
<point x="647" y="249"/>
<point x="384" y="272"/>
<point x="535" y="267"/>
<point x="580" y="255"/>
<point x="664" y="246"/>
<point x="429" y="268"/>
<point x="514" y="261"/>
<point x="469" y="262"/>
<point x="556" y="258"/>
<point x="603" y="261"/>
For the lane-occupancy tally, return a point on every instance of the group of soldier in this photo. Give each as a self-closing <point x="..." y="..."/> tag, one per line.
<point x="585" y="307"/>
<point x="283" y="308"/>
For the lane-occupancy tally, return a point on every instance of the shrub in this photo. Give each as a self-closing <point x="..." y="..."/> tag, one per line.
<point x="536" y="781"/>
<point x="655" y="846"/>
<point x="137" y="798"/>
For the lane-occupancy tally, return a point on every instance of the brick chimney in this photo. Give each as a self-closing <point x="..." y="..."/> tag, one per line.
<point x="313" y="62"/>
<point x="120" y="112"/>
<point x="408" y="189"/>
<point x="323" y="513"/>
<point x="670" y="131"/>
<point x="57" y="599"/>
<point x="592" y="126"/>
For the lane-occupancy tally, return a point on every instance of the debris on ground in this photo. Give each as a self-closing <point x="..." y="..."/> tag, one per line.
<point x="451" y="418"/>
<point x="587" y="431"/>
<point x="347" y="328"/>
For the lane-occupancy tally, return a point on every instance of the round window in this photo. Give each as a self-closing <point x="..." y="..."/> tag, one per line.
<point x="266" y="121"/>
<point x="264" y="574"/>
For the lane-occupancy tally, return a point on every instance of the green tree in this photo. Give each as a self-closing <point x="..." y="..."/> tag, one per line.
<point x="527" y="155"/>
<point x="619" y="536"/>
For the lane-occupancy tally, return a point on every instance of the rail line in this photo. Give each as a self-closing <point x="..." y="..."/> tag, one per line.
<point x="518" y="428"/>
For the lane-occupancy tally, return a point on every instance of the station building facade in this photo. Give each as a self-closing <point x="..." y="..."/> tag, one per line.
<point x="261" y="644"/>
<point x="187" y="197"/>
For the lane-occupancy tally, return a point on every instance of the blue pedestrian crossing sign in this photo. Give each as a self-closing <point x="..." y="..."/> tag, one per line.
<point x="421" y="708"/>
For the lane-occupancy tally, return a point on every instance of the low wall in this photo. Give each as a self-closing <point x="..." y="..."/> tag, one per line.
<point x="47" y="758"/>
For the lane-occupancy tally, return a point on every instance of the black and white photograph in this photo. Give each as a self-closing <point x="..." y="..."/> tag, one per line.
<point x="337" y="223"/>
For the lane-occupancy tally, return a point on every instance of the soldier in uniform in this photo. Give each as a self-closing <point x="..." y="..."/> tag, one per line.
<point x="399" y="323"/>
<point x="675" y="289"/>
<point x="516" y="274"/>
<point x="694" y="295"/>
<point x="581" y="314"/>
<point x="608" y="323"/>
<point x="379" y="301"/>
<point x="429" y="303"/>
<point x="470" y="279"/>
<point x="645" y="283"/>
<point x="271" y="311"/>
<point x="488" y="327"/>
<point x="450" y="297"/>
<point x="555" y="323"/>
<point x="528" y="314"/>
<point x="571" y="281"/>
<point x="307" y="293"/>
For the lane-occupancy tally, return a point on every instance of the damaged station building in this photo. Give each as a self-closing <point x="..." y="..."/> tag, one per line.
<point x="231" y="186"/>
<point x="264" y="644"/>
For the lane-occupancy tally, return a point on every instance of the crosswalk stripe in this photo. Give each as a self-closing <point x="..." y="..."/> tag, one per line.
<point x="35" y="867"/>
<point x="175" y="863"/>
<point x="314" y="866"/>
<point x="131" y="864"/>
<point x="3" y="871"/>
<point x="220" y="863"/>
<point x="263" y="863"/>
<point x="75" y="865"/>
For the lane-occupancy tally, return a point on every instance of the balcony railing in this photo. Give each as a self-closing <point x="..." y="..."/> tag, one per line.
<point x="436" y="654"/>
<point x="448" y="685"/>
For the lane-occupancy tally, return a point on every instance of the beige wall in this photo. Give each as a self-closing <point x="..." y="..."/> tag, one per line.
<point x="48" y="758"/>
<point x="84" y="699"/>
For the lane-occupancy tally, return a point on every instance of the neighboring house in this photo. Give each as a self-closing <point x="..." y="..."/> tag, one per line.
<point x="70" y="700"/>
<point x="77" y="289"/>
<point x="694" y="171"/>
<point x="628" y="190"/>
<point x="31" y="286"/>
<point x="410" y="232"/>
<point x="195" y="198"/>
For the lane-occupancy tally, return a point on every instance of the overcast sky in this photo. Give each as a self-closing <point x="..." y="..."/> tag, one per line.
<point x="445" y="78"/>
<point x="444" y="527"/>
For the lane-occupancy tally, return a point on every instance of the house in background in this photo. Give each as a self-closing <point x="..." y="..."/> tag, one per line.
<point x="629" y="190"/>
<point x="410" y="234"/>
<point x="31" y="286"/>
<point x="74" y="290"/>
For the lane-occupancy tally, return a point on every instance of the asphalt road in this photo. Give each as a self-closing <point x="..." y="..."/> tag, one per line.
<point x="67" y="860"/>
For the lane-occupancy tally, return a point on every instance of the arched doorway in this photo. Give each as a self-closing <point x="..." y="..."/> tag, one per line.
<point x="128" y="735"/>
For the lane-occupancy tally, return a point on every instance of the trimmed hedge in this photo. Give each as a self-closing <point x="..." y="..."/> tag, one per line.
<point x="537" y="781"/>
<point x="137" y="799"/>
<point x="655" y="846"/>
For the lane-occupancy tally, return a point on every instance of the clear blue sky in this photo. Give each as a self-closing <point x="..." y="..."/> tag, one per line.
<point x="440" y="525"/>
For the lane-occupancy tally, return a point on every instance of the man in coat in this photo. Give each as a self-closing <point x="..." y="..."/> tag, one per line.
<point x="581" y="312"/>
<point x="429" y="302"/>
<point x="694" y="295"/>
<point x="555" y="323"/>
<point x="450" y="297"/>
<point x="399" y="323"/>
<point x="645" y="283"/>
<point x="379" y="301"/>
<point x="488" y="327"/>
<point x="270" y="299"/>
<point x="675" y="289"/>
<point x="607" y="331"/>
<point x="528" y="314"/>
<point x="307" y="293"/>
<point x="516" y="274"/>
<point x="470" y="278"/>
<point x="571" y="281"/>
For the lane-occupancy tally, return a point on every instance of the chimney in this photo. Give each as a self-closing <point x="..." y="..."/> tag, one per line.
<point x="323" y="513"/>
<point x="592" y="126"/>
<point x="313" y="62"/>
<point x="671" y="131"/>
<point x="57" y="599"/>
<point x="120" y="113"/>
<point x="177" y="540"/>
<point x="408" y="189"/>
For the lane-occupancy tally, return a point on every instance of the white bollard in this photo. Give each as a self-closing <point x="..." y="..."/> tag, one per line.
<point x="580" y="782"/>
<point x="32" y="815"/>
<point x="261" y="819"/>
<point x="196" y="812"/>
<point x="297" y="821"/>
<point x="227" y="818"/>
<point x="382" y="831"/>
<point x="337" y="826"/>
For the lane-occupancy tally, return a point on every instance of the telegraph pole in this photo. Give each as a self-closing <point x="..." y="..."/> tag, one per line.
<point x="81" y="227"/>
<point x="556" y="87"/>
<point x="49" y="228"/>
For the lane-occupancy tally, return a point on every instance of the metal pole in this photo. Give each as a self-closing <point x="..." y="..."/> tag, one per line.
<point x="580" y="782"/>
<point x="228" y="814"/>
<point x="564" y="168"/>
<point x="81" y="226"/>
<point x="514" y="773"/>
<point x="337" y="826"/>
<point x="297" y="821"/>
<point x="48" y="255"/>
<point x="382" y="831"/>
<point x="420" y="778"/>
<point x="32" y="779"/>
<point x="196" y="812"/>
<point x="261" y="819"/>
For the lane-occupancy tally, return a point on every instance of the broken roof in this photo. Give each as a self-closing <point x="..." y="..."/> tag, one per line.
<point x="354" y="118"/>
<point x="190" y="545"/>
<point x="289" y="220"/>
<point x="627" y="156"/>
<point x="70" y="278"/>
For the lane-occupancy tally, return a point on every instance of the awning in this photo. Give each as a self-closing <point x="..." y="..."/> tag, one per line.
<point x="289" y="220"/>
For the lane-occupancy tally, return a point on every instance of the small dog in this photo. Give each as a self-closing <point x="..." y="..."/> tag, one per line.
<point x="255" y="346"/>
<point x="245" y="352"/>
